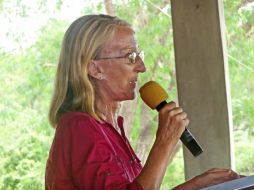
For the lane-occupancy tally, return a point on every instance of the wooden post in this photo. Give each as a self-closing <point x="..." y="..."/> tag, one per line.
<point x="203" y="82"/>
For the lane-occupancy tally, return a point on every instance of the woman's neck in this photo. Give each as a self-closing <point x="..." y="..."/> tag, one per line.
<point x="106" y="105"/>
<point x="109" y="110"/>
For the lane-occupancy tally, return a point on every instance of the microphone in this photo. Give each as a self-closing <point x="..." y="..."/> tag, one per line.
<point x="155" y="97"/>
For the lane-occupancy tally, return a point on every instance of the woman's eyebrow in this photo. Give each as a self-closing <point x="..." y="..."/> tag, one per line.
<point x="128" y="49"/>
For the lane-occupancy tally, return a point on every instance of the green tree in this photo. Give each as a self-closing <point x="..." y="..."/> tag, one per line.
<point x="239" y="16"/>
<point x="27" y="75"/>
<point x="26" y="89"/>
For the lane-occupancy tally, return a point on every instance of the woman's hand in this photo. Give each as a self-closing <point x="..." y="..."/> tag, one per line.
<point x="211" y="177"/>
<point x="172" y="123"/>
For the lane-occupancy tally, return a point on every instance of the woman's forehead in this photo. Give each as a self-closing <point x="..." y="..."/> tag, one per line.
<point x="123" y="39"/>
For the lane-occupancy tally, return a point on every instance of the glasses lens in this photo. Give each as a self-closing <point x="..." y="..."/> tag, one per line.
<point x="133" y="56"/>
<point x="142" y="55"/>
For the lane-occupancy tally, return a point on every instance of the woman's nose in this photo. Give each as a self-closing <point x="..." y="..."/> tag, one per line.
<point x="140" y="65"/>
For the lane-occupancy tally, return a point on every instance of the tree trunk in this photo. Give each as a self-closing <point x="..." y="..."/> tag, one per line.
<point x="109" y="7"/>
<point x="128" y="109"/>
<point x="145" y="136"/>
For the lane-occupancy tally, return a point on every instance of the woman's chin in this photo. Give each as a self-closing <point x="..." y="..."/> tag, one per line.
<point x="131" y="96"/>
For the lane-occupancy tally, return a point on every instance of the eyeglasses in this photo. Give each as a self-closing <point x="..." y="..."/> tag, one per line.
<point x="131" y="56"/>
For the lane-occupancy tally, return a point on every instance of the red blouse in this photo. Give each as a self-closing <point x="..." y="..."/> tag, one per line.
<point x="89" y="155"/>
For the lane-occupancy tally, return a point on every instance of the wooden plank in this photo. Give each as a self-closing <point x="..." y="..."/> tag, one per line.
<point x="203" y="81"/>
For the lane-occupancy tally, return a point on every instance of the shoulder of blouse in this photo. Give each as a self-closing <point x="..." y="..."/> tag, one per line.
<point x="72" y="120"/>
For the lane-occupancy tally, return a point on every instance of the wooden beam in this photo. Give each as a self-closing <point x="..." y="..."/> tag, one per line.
<point x="203" y="82"/>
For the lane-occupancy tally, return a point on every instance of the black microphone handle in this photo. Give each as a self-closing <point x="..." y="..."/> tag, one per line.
<point x="187" y="138"/>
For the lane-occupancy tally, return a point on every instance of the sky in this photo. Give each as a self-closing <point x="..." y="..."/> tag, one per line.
<point x="20" y="32"/>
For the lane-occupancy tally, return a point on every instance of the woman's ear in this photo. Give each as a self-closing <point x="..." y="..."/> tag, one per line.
<point x="94" y="70"/>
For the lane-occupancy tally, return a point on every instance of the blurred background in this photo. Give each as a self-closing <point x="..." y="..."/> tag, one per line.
<point x="30" y="39"/>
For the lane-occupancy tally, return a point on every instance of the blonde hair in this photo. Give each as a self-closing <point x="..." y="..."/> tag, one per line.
<point x="82" y="42"/>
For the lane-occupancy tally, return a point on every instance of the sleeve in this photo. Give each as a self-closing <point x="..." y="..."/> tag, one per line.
<point x="85" y="157"/>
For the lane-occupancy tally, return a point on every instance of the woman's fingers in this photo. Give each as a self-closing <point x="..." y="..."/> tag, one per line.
<point x="174" y="114"/>
<point x="172" y="122"/>
<point x="220" y="173"/>
<point x="215" y="176"/>
<point x="168" y="107"/>
<point x="210" y="177"/>
<point x="175" y="111"/>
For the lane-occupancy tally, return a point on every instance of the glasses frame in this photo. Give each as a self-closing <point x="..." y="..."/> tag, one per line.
<point x="131" y="56"/>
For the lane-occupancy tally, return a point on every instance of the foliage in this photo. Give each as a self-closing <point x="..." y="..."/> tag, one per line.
<point x="240" y="35"/>
<point x="245" y="162"/>
<point x="239" y="17"/>
<point x="26" y="90"/>
<point x="174" y="175"/>
<point x="27" y="76"/>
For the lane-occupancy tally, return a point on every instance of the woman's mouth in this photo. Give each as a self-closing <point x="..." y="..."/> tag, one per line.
<point x="133" y="83"/>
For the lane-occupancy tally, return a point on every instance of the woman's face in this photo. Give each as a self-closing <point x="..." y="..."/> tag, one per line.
<point x="118" y="75"/>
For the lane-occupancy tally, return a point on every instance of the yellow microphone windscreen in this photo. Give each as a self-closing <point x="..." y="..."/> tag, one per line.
<point x="152" y="94"/>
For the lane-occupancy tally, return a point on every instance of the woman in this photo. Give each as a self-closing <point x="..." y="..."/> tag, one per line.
<point x="98" y="68"/>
